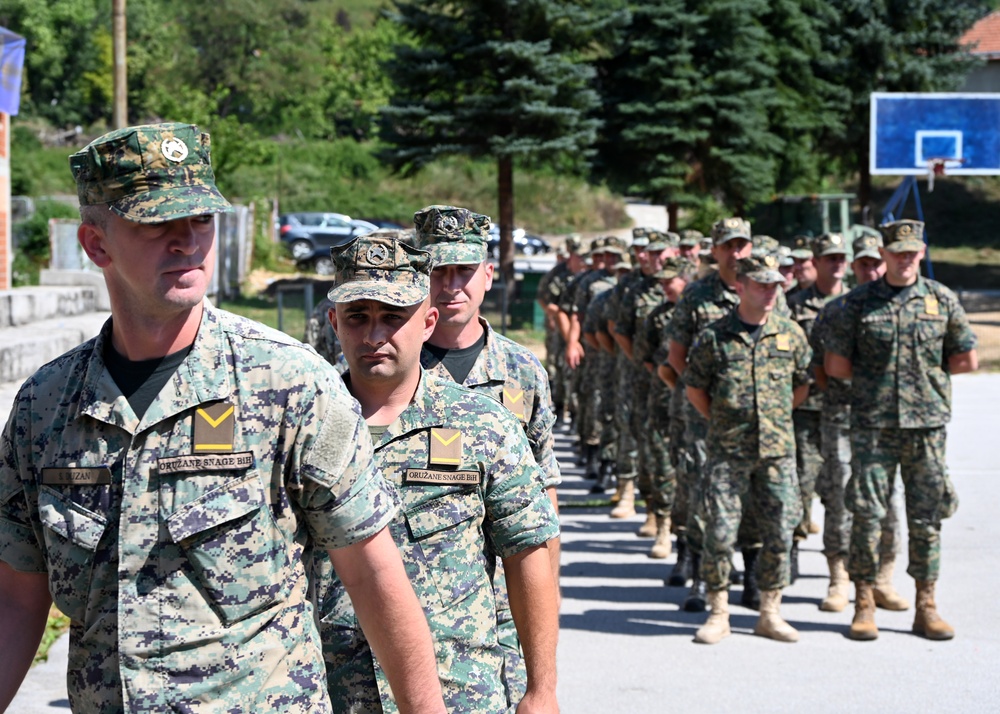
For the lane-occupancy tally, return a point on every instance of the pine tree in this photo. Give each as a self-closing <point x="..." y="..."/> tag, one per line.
<point x="899" y="46"/>
<point x="494" y="78"/>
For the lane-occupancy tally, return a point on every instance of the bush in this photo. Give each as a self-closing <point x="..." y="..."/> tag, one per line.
<point x="31" y="240"/>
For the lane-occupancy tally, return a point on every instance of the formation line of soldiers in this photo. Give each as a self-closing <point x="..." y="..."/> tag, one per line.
<point x="231" y="524"/>
<point x="731" y="379"/>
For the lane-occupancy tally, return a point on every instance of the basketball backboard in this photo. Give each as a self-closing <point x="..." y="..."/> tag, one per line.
<point x="909" y="130"/>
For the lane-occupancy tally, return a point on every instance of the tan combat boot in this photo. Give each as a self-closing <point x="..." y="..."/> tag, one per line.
<point x="717" y="625"/>
<point x="927" y="622"/>
<point x="626" y="504"/>
<point x="838" y="592"/>
<point x="863" y="626"/>
<point x="886" y="596"/>
<point x="770" y="624"/>
<point x="661" y="547"/>
<point x="648" y="529"/>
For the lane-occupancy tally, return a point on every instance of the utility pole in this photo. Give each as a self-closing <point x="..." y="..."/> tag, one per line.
<point x="120" y="118"/>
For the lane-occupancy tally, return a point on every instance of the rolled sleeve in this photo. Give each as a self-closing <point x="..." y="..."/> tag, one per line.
<point x="343" y="498"/>
<point x="20" y="546"/>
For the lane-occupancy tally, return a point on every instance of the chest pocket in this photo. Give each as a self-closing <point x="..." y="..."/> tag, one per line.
<point x="448" y="544"/>
<point x="235" y="548"/>
<point x="780" y="365"/>
<point x="72" y="534"/>
<point x="930" y="331"/>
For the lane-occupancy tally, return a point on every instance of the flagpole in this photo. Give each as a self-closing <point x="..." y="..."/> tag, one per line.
<point x="121" y="77"/>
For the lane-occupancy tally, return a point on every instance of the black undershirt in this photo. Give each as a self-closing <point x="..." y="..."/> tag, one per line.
<point x="459" y="361"/>
<point x="140" y="381"/>
<point x="752" y="330"/>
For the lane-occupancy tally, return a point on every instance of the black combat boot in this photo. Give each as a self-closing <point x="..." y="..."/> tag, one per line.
<point x="696" y="599"/>
<point x="593" y="468"/>
<point x="751" y="593"/>
<point x="681" y="573"/>
<point x="607" y="480"/>
<point x="794" y="562"/>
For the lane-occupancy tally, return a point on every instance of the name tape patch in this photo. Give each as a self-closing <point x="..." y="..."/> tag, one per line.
<point x="443" y="477"/>
<point x="205" y="462"/>
<point x="76" y="476"/>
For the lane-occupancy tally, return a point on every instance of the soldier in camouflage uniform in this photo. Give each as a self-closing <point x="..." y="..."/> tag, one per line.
<point x="605" y="253"/>
<point x="627" y="450"/>
<point x="673" y="276"/>
<point x="167" y="480"/>
<point x="321" y="337"/>
<point x="600" y="381"/>
<point x="802" y="264"/>
<point x="899" y="339"/>
<point x="466" y="349"/>
<point x="835" y="443"/>
<point x="689" y="246"/>
<point x="704" y="302"/>
<point x="461" y="473"/>
<point x="745" y="374"/>
<point x="570" y="326"/>
<point x="830" y="261"/>
<point x="635" y="305"/>
<point x="550" y="289"/>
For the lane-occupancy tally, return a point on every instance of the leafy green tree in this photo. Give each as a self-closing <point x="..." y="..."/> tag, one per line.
<point x="900" y="46"/>
<point x="693" y="98"/>
<point x="491" y="78"/>
<point x="61" y="57"/>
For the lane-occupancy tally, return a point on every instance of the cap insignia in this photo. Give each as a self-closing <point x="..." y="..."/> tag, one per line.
<point x="174" y="149"/>
<point x="377" y="254"/>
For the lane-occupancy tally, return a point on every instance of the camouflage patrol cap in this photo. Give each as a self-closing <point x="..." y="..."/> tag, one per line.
<point x="705" y="249"/>
<point x="802" y="247"/>
<point x="762" y="270"/>
<point x="572" y="244"/>
<point x="640" y="232"/>
<point x="903" y="236"/>
<point x="596" y="246"/>
<point x="867" y="245"/>
<point x="613" y="244"/>
<point x="672" y="268"/>
<point x="379" y="266"/>
<point x="785" y="257"/>
<point x="149" y="174"/>
<point x="624" y="263"/>
<point x="661" y="240"/>
<point x="763" y="245"/>
<point x="454" y="236"/>
<point x="690" y="238"/>
<point x="730" y="229"/>
<point x="829" y="244"/>
<point x="639" y="242"/>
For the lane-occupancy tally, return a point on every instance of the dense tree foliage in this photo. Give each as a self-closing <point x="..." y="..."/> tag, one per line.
<point x="688" y="102"/>
<point x="497" y="78"/>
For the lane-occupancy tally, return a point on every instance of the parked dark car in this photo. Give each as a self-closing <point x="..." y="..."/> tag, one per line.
<point x="385" y="223"/>
<point x="309" y="236"/>
<point x="523" y="243"/>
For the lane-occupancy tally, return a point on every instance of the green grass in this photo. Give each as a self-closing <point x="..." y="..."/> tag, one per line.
<point x="264" y="309"/>
<point x="56" y="625"/>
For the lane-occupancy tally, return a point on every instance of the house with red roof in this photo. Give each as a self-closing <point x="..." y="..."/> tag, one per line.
<point x="983" y="38"/>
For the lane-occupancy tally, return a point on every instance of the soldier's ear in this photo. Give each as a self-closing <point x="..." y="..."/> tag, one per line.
<point x="331" y="315"/>
<point x="91" y="238"/>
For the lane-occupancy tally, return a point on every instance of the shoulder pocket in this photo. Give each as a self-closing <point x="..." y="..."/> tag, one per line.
<point x="231" y="531"/>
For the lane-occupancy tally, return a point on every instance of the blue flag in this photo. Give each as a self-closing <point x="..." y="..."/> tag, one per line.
<point x="11" y="62"/>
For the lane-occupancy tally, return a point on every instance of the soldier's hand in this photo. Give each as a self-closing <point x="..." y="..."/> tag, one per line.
<point x="574" y="354"/>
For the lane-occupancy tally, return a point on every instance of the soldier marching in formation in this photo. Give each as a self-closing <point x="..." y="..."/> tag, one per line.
<point x="702" y="389"/>
<point x="232" y="523"/>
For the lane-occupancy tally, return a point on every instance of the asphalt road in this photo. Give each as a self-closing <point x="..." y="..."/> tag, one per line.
<point x="625" y="646"/>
